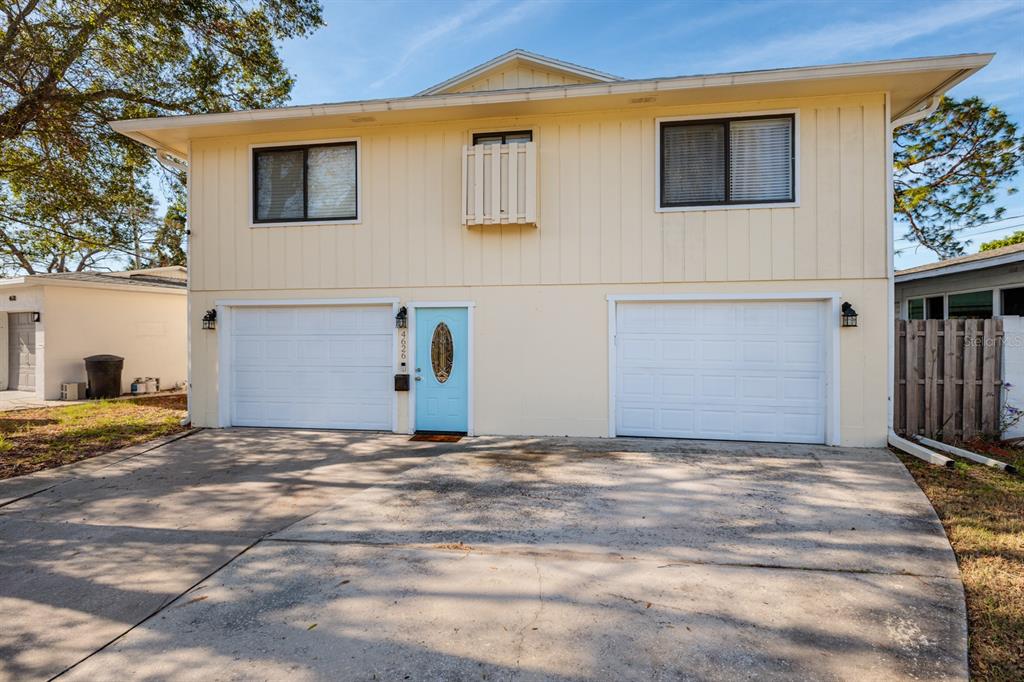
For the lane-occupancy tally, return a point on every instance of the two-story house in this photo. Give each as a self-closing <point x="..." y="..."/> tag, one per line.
<point x="543" y="248"/>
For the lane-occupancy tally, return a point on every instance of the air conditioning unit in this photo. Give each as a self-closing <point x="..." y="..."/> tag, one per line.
<point x="73" y="391"/>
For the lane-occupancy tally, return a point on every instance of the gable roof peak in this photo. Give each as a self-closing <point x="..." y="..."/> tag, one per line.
<point x="520" y="55"/>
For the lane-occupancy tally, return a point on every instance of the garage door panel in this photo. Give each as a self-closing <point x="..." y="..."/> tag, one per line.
<point x="678" y="385"/>
<point x="761" y="352"/>
<point x="312" y="367"/>
<point x="741" y="370"/>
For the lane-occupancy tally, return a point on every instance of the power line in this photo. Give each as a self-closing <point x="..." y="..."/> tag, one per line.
<point x="978" y="234"/>
<point x="977" y="225"/>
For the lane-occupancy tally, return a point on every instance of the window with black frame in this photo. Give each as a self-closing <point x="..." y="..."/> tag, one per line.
<point x="734" y="161"/>
<point x="305" y="183"/>
<point x="517" y="136"/>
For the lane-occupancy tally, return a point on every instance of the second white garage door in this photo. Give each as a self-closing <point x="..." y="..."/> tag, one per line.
<point x="312" y="366"/>
<point x="721" y="370"/>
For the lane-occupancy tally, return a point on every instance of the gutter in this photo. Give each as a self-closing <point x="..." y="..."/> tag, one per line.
<point x="929" y="106"/>
<point x="170" y="160"/>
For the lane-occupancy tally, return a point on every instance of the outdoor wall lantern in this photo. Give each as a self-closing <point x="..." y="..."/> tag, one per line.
<point x="402" y="318"/>
<point x="35" y="317"/>
<point x="210" y="319"/>
<point x="849" y="315"/>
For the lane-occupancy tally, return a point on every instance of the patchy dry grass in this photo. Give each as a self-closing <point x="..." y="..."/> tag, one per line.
<point x="32" y="440"/>
<point x="982" y="510"/>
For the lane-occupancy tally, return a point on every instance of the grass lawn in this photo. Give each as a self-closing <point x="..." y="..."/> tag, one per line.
<point x="31" y="440"/>
<point x="983" y="511"/>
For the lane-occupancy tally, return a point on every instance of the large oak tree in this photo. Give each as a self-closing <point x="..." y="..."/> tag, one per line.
<point x="74" y="194"/>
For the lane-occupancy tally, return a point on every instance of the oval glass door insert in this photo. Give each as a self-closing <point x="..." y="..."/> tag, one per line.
<point x="441" y="352"/>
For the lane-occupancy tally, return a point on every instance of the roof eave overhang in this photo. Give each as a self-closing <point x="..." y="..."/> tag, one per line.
<point x="957" y="268"/>
<point x="137" y="288"/>
<point x="906" y="80"/>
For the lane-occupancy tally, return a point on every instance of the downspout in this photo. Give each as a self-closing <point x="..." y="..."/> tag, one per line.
<point x="174" y="163"/>
<point x="188" y="279"/>
<point x="895" y="440"/>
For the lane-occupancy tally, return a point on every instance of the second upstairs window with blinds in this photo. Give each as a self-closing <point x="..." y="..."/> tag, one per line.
<point x="727" y="162"/>
<point x="314" y="183"/>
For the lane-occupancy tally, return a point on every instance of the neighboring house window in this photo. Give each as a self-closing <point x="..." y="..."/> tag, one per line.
<point x="936" y="308"/>
<point x="1013" y="301"/>
<point x="308" y="183"/>
<point x="516" y="136"/>
<point x="976" y="304"/>
<point x="728" y="161"/>
<point x="915" y="309"/>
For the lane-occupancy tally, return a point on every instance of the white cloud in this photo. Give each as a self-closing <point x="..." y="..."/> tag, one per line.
<point x="835" y="41"/>
<point x="500" y="17"/>
<point x="434" y="34"/>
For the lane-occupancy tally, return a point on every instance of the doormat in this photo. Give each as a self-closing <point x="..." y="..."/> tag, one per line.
<point x="437" y="437"/>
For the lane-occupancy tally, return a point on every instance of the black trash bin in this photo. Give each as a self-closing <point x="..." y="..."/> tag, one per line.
<point x="104" y="375"/>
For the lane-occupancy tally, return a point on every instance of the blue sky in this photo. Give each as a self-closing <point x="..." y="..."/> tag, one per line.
<point x="392" y="48"/>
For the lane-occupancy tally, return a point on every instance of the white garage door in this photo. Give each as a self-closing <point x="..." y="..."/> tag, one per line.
<point x="311" y="366"/>
<point x="721" y="370"/>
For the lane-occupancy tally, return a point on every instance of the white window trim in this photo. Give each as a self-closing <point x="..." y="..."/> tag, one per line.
<point x="224" y="308"/>
<point x="532" y="127"/>
<point x="470" y="307"/>
<point x="833" y="299"/>
<point x="997" y="300"/>
<point x="658" y="208"/>
<point x="301" y="143"/>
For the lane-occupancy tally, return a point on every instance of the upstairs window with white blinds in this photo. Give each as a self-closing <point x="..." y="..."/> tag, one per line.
<point x="727" y="161"/>
<point x="311" y="183"/>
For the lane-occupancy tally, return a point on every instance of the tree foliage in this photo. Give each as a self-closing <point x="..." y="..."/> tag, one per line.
<point x="1015" y="238"/>
<point x="73" y="194"/>
<point x="168" y="247"/>
<point x="948" y="169"/>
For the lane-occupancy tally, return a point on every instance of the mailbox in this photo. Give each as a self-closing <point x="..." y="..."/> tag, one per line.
<point x="401" y="382"/>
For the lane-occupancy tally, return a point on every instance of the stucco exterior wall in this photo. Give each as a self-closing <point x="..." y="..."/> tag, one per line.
<point x="541" y="340"/>
<point x="146" y="329"/>
<point x="540" y="364"/>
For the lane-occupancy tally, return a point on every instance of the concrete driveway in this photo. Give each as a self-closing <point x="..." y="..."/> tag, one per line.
<point x="492" y="558"/>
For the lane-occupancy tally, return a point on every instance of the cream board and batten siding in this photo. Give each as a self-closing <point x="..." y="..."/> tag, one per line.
<point x="519" y="77"/>
<point x="597" y="226"/>
<point x="596" y="222"/>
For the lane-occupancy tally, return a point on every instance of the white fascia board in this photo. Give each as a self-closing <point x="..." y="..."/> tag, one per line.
<point x="138" y="288"/>
<point x="136" y="128"/>
<point x="962" y="267"/>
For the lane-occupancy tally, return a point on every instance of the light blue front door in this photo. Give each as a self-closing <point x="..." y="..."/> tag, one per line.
<point x="442" y="369"/>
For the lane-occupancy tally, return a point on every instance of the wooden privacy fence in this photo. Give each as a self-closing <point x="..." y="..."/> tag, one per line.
<point x="948" y="378"/>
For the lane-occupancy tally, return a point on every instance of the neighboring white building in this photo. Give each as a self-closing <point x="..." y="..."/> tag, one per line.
<point x="980" y="285"/>
<point x="577" y="254"/>
<point x="50" y="322"/>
